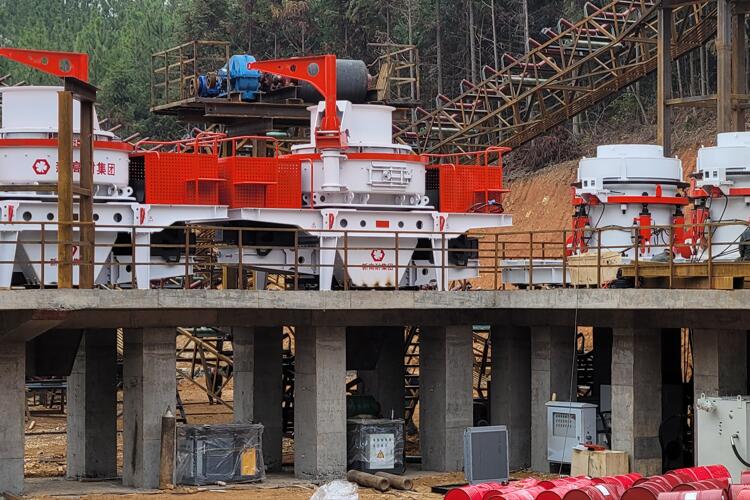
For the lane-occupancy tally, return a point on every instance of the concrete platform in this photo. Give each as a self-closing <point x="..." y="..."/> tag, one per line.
<point x="26" y="313"/>
<point x="536" y="328"/>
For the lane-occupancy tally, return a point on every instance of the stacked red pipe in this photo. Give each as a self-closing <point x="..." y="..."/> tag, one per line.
<point x="711" y="482"/>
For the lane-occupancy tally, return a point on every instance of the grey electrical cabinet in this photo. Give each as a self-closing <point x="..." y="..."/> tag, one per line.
<point x="486" y="454"/>
<point x="720" y="422"/>
<point x="569" y="424"/>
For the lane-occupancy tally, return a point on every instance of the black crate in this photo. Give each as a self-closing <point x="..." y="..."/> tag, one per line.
<point x="231" y="453"/>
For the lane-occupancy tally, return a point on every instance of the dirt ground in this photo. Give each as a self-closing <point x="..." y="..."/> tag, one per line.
<point x="46" y="449"/>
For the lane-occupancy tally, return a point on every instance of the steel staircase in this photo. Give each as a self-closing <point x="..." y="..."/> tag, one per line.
<point x="570" y="68"/>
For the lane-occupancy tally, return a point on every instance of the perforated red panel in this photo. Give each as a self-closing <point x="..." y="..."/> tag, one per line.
<point x="287" y="193"/>
<point x="204" y="180"/>
<point x="180" y="178"/>
<point x="464" y="186"/>
<point x="260" y="182"/>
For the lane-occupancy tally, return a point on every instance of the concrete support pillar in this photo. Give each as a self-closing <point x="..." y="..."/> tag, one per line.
<point x="719" y="362"/>
<point x="320" y="403"/>
<point x="257" y="386"/>
<point x="150" y="388"/>
<point x="386" y="382"/>
<point x="636" y="396"/>
<point x="446" y="362"/>
<point x="552" y="362"/>
<point x="13" y="398"/>
<point x="92" y="407"/>
<point x="510" y="390"/>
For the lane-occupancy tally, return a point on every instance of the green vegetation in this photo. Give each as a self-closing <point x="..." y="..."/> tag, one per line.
<point x="120" y="36"/>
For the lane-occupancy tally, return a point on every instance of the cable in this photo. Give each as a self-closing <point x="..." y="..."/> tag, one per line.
<point x="721" y="218"/>
<point x="573" y="376"/>
<point x="737" y="453"/>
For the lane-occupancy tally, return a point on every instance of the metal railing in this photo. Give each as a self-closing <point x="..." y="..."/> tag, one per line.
<point x="497" y="256"/>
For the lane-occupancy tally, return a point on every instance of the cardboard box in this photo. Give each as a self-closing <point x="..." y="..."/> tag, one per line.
<point x="582" y="268"/>
<point x="599" y="463"/>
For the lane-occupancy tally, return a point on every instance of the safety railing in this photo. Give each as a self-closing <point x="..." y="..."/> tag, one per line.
<point x="712" y="255"/>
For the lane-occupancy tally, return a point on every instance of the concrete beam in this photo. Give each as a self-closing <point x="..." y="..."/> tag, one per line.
<point x="257" y="386"/>
<point x="150" y="389"/>
<point x="446" y="361"/>
<point x="552" y="365"/>
<point x="510" y="390"/>
<point x="13" y="398"/>
<point x="320" y="403"/>
<point x="219" y="302"/>
<point x="636" y="396"/>
<point x="25" y="325"/>
<point x="92" y="407"/>
<point x="386" y="381"/>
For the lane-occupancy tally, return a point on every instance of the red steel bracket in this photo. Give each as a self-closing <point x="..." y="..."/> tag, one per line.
<point x="62" y="64"/>
<point x="320" y="72"/>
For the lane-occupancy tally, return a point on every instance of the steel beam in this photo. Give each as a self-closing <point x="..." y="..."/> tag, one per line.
<point x="739" y="68"/>
<point x="664" y="80"/>
<point x="65" y="190"/>
<point x="723" y="66"/>
<point x="86" y="197"/>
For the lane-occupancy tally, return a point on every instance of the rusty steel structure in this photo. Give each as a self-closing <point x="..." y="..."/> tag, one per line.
<point x="397" y="73"/>
<point x="204" y="359"/>
<point x="576" y="66"/>
<point x="496" y="254"/>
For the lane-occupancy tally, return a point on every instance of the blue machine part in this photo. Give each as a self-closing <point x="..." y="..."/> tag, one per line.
<point x="205" y="89"/>
<point x="242" y="78"/>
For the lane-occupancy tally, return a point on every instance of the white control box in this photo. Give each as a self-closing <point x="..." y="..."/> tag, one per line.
<point x="568" y="424"/>
<point x="721" y="421"/>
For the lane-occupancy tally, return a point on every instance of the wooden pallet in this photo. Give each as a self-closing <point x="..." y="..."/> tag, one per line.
<point x="698" y="275"/>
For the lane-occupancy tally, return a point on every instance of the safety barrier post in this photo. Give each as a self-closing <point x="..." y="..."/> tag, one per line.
<point x="296" y="259"/>
<point x="564" y="259"/>
<point x="186" y="282"/>
<point x="346" y="260"/>
<point x="599" y="261"/>
<point x="442" y="261"/>
<point x="531" y="260"/>
<point x="635" y="250"/>
<point x="496" y="258"/>
<point x="42" y="256"/>
<point x="395" y="282"/>
<point x="240" y="270"/>
<point x="133" y="279"/>
<point x="671" y="255"/>
<point x="710" y="258"/>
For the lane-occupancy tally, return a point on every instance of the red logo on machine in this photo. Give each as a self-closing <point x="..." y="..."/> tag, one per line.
<point x="41" y="166"/>
<point x="377" y="255"/>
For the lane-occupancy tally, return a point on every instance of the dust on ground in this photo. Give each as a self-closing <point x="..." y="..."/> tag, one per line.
<point x="44" y="463"/>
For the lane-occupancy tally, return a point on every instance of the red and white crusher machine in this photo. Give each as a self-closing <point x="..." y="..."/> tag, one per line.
<point x="28" y="156"/>
<point x="338" y="207"/>
<point x="621" y="196"/>
<point x="358" y="197"/>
